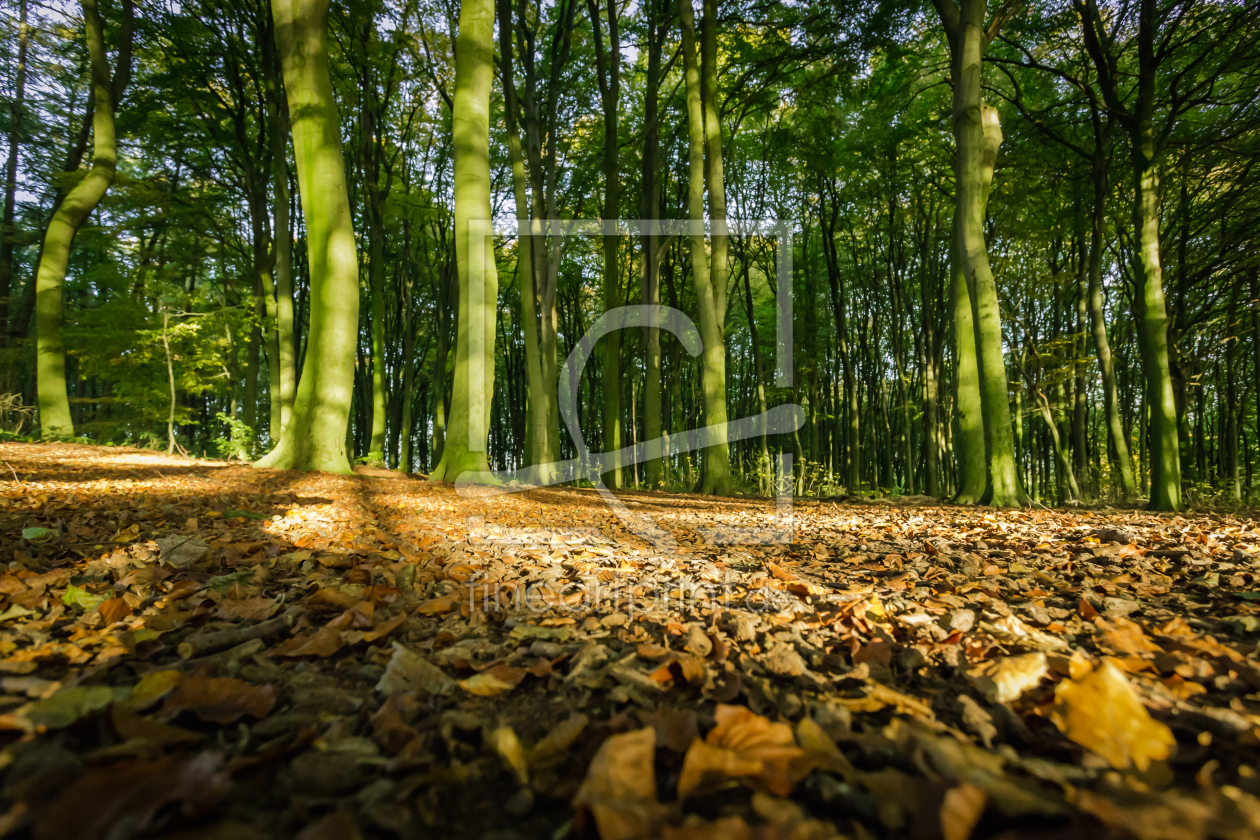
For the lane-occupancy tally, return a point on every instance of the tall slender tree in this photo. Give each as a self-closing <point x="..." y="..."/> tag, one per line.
<point x="50" y="276"/>
<point x="468" y="425"/>
<point x="315" y="436"/>
<point x="977" y="136"/>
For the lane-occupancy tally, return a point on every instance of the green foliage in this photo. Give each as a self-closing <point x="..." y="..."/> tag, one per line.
<point x="376" y="460"/>
<point x="241" y="443"/>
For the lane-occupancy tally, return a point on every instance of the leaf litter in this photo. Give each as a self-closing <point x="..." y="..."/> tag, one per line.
<point x="199" y="650"/>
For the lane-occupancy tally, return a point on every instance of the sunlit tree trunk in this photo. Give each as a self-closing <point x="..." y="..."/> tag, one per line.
<point x="538" y="440"/>
<point x="977" y="136"/>
<point x="1153" y="329"/>
<point x="469" y="421"/>
<point x="1151" y="310"/>
<point x="50" y="274"/>
<point x="314" y="438"/>
<point x="704" y="143"/>
<point x="969" y="442"/>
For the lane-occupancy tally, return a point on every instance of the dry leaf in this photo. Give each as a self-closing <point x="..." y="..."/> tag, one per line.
<point x="220" y="700"/>
<point x="1004" y="680"/>
<point x="494" y="681"/>
<point x="620" y="787"/>
<point x="744" y="745"/>
<point x="961" y="810"/>
<point x="406" y="671"/>
<point x="1101" y="712"/>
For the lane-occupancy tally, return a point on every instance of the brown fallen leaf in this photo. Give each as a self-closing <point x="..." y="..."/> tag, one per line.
<point x="407" y="671"/>
<point x="1005" y="679"/>
<point x="115" y="609"/>
<point x="1100" y="711"/>
<point x="323" y="643"/>
<point x="620" y="787"/>
<point x="438" y="606"/>
<point x="744" y="745"/>
<point x="130" y="725"/>
<point x="556" y="742"/>
<point x="220" y="699"/>
<point x="961" y="810"/>
<point x="1124" y="636"/>
<point x="494" y="681"/>
<point x="248" y="609"/>
<point x="132" y="795"/>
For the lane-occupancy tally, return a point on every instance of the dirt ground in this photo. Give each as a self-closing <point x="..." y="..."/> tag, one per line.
<point x="200" y="650"/>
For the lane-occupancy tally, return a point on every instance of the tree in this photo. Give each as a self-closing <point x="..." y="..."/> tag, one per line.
<point x="710" y="277"/>
<point x="469" y="421"/>
<point x="54" y="402"/>
<point x="315" y="436"/>
<point x="977" y="136"/>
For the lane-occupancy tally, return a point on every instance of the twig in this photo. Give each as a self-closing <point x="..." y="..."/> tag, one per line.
<point x="16" y="480"/>
<point x="211" y="642"/>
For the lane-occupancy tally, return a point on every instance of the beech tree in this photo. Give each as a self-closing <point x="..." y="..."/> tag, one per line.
<point x="315" y="436"/>
<point x="70" y="214"/>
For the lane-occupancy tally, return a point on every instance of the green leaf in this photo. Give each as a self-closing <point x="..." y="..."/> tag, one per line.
<point x="1248" y="596"/>
<point x="69" y="705"/>
<point x="223" y="583"/>
<point x="38" y="535"/>
<point x="243" y="514"/>
<point x="81" y="597"/>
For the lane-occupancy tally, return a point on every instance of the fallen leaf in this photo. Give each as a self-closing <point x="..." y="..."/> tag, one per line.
<point x="620" y="787"/>
<point x="68" y="705"/>
<point x="132" y="794"/>
<point x="114" y="609"/>
<point x="1005" y="679"/>
<point x="322" y="643"/>
<point x="508" y="747"/>
<point x="76" y="597"/>
<point x="494" y="681"/>
<point x="1101" y="712"/>
<point x="743" y="745"/>
<point x="961" y="810"/>
<point x="220" y="699"/>
<point x="407" y="671"/>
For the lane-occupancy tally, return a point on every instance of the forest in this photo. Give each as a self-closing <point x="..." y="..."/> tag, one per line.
<point x="1020" y="265"/>
<point x="575" y="419"/>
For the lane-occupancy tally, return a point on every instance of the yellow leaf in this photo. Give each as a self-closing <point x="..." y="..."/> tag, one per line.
<point x="1101" y="712"/>
<point x="1005" y="679"/>
<point x="128" y="534"/>
<point x="620" y="786"/>
<point x="961" y="810"/>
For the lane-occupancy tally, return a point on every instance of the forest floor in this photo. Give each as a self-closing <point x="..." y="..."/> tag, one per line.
<point x="200" y="650"/>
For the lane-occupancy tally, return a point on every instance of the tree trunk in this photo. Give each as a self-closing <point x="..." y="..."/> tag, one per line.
<point x="1117" y="434"/>
<point x="538" y="452"/>
<point x="10" y="171"/>
<point x="1165" y="492"/>
<point x="650" y="291"/>
<point x="977" y="136"/>
<point x="50" y="275"/>
<point x="704" y="141"/>
<point x="316" y="433"/>
<point x="376" y="289"/>
<point x="609" y="77"/>
<point x="468" y="424"/>
<point x="969" y="442"/>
